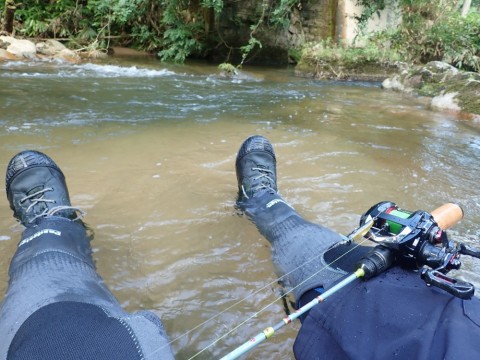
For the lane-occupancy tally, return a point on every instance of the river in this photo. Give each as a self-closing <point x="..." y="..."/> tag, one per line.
<point x="148" y="150"/>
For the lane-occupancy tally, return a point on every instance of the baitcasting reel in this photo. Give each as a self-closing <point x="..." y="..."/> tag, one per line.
<point x="416" y="240"/>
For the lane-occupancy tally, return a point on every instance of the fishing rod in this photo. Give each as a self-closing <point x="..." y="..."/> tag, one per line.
<point x="269" y="331"/>
<point x="410" y="239"/>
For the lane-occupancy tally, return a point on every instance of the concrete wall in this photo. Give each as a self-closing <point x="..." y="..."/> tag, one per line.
<point x="347" y="27"/>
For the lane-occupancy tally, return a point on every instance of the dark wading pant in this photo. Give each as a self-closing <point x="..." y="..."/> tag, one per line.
<point x="53" y="284"/>
<point x="392" y="316"/>
<point x="298" y="246"/>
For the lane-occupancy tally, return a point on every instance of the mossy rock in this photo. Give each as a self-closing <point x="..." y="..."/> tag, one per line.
<point x="466" y="86"/>
<point x="468" y="95"/>
<point x="336" y="70"/>
<point x="450" y="88"/>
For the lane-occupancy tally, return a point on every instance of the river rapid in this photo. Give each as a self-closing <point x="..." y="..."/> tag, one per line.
<point x="148" y="151"/>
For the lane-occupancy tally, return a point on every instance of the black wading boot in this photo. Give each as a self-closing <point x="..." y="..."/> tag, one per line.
<point x="36" y="189"/>
<point x="256" y="168"/>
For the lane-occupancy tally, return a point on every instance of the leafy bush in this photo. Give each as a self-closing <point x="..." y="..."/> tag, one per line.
<point x="40" y="18"/>
<point x="448" y="38"/>
<point x="175" y="29"/>
<point x="178" y="29"/>
<point x="328" y="52"/>
<point x="431" y="30"/>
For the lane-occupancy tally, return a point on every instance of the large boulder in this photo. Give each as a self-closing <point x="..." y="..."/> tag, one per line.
<point x="5" y="41"/>
<point x="50" y="47"/>
<point x="17" y="49"/>
<point x="20" y="48"/>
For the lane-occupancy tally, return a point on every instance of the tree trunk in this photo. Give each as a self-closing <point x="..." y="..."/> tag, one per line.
<point x="195" y="8"/>
<point x="209" y="17"/>
<point x="466" y="7"/>
<point x="9" y="15"/>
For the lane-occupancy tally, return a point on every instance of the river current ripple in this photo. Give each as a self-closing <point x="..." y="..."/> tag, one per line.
<point x="149" y="150"/>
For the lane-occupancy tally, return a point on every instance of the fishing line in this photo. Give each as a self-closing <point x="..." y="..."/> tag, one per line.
<point x="273" y="302"/>
<point x="254" y="293"/>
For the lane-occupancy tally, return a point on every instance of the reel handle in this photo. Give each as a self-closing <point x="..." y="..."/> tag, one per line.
<point x="458" y="288"/>
<point x="467" y="250"/>
<point x="447" y="215"/>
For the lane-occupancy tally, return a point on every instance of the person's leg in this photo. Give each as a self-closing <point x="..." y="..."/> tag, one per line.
<point x="298" y="246"/>
<point x="53" y="276"/>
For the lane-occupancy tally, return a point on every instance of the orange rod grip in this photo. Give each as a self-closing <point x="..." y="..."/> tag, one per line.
<point x="447" y="215"/>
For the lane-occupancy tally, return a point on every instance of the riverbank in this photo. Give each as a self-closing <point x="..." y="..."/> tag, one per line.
<point x="438" y="84"/>
<point x="444" y="86"/>
<point x="26" y="49"/>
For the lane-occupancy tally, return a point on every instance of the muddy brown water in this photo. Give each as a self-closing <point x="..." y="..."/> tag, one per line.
<point x="148" y="151"/>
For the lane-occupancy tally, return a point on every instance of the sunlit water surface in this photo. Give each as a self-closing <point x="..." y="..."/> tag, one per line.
<point x="149" y="152"/>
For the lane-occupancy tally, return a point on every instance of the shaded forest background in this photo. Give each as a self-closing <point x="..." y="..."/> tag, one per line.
<point x="239" y="32"/>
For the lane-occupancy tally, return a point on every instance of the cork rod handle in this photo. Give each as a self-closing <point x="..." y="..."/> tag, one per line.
<point x="447" y="215"/>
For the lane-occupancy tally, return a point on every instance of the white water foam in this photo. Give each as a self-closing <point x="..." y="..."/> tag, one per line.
<point x="82" y="71"/>
<point x="120" y="71"/>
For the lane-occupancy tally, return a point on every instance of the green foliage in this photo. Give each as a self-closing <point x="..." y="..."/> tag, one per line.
<point x="178" y="44"/>
<point x="464" y="50"/>
<point x="41" y="18"/>
<point x="179" y="29"/>
<point x="280" y="14"/>
<point x="175" y="29"/>
<point x="439" y="33"/>
<point x="327" y="51"/>
<point x="122" y="11"/>
<point x="247" y="49"/>
<point x="272" y="13"/>
<point x="216" y="5"/>
<point x="227" y="69"/>
<point x="295" y="54"/>
<point x="146" y="37"/>
<point x="370" y="8"/>
<point x="430" y="30"/>
<point x="181" y="35"/>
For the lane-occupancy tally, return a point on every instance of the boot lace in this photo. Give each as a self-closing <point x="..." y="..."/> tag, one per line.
<point x="265" y="181"/>
<point x="39" y="197"/>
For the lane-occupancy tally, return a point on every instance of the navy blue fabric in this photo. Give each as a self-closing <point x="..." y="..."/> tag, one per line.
<point x="392" y="316"/>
